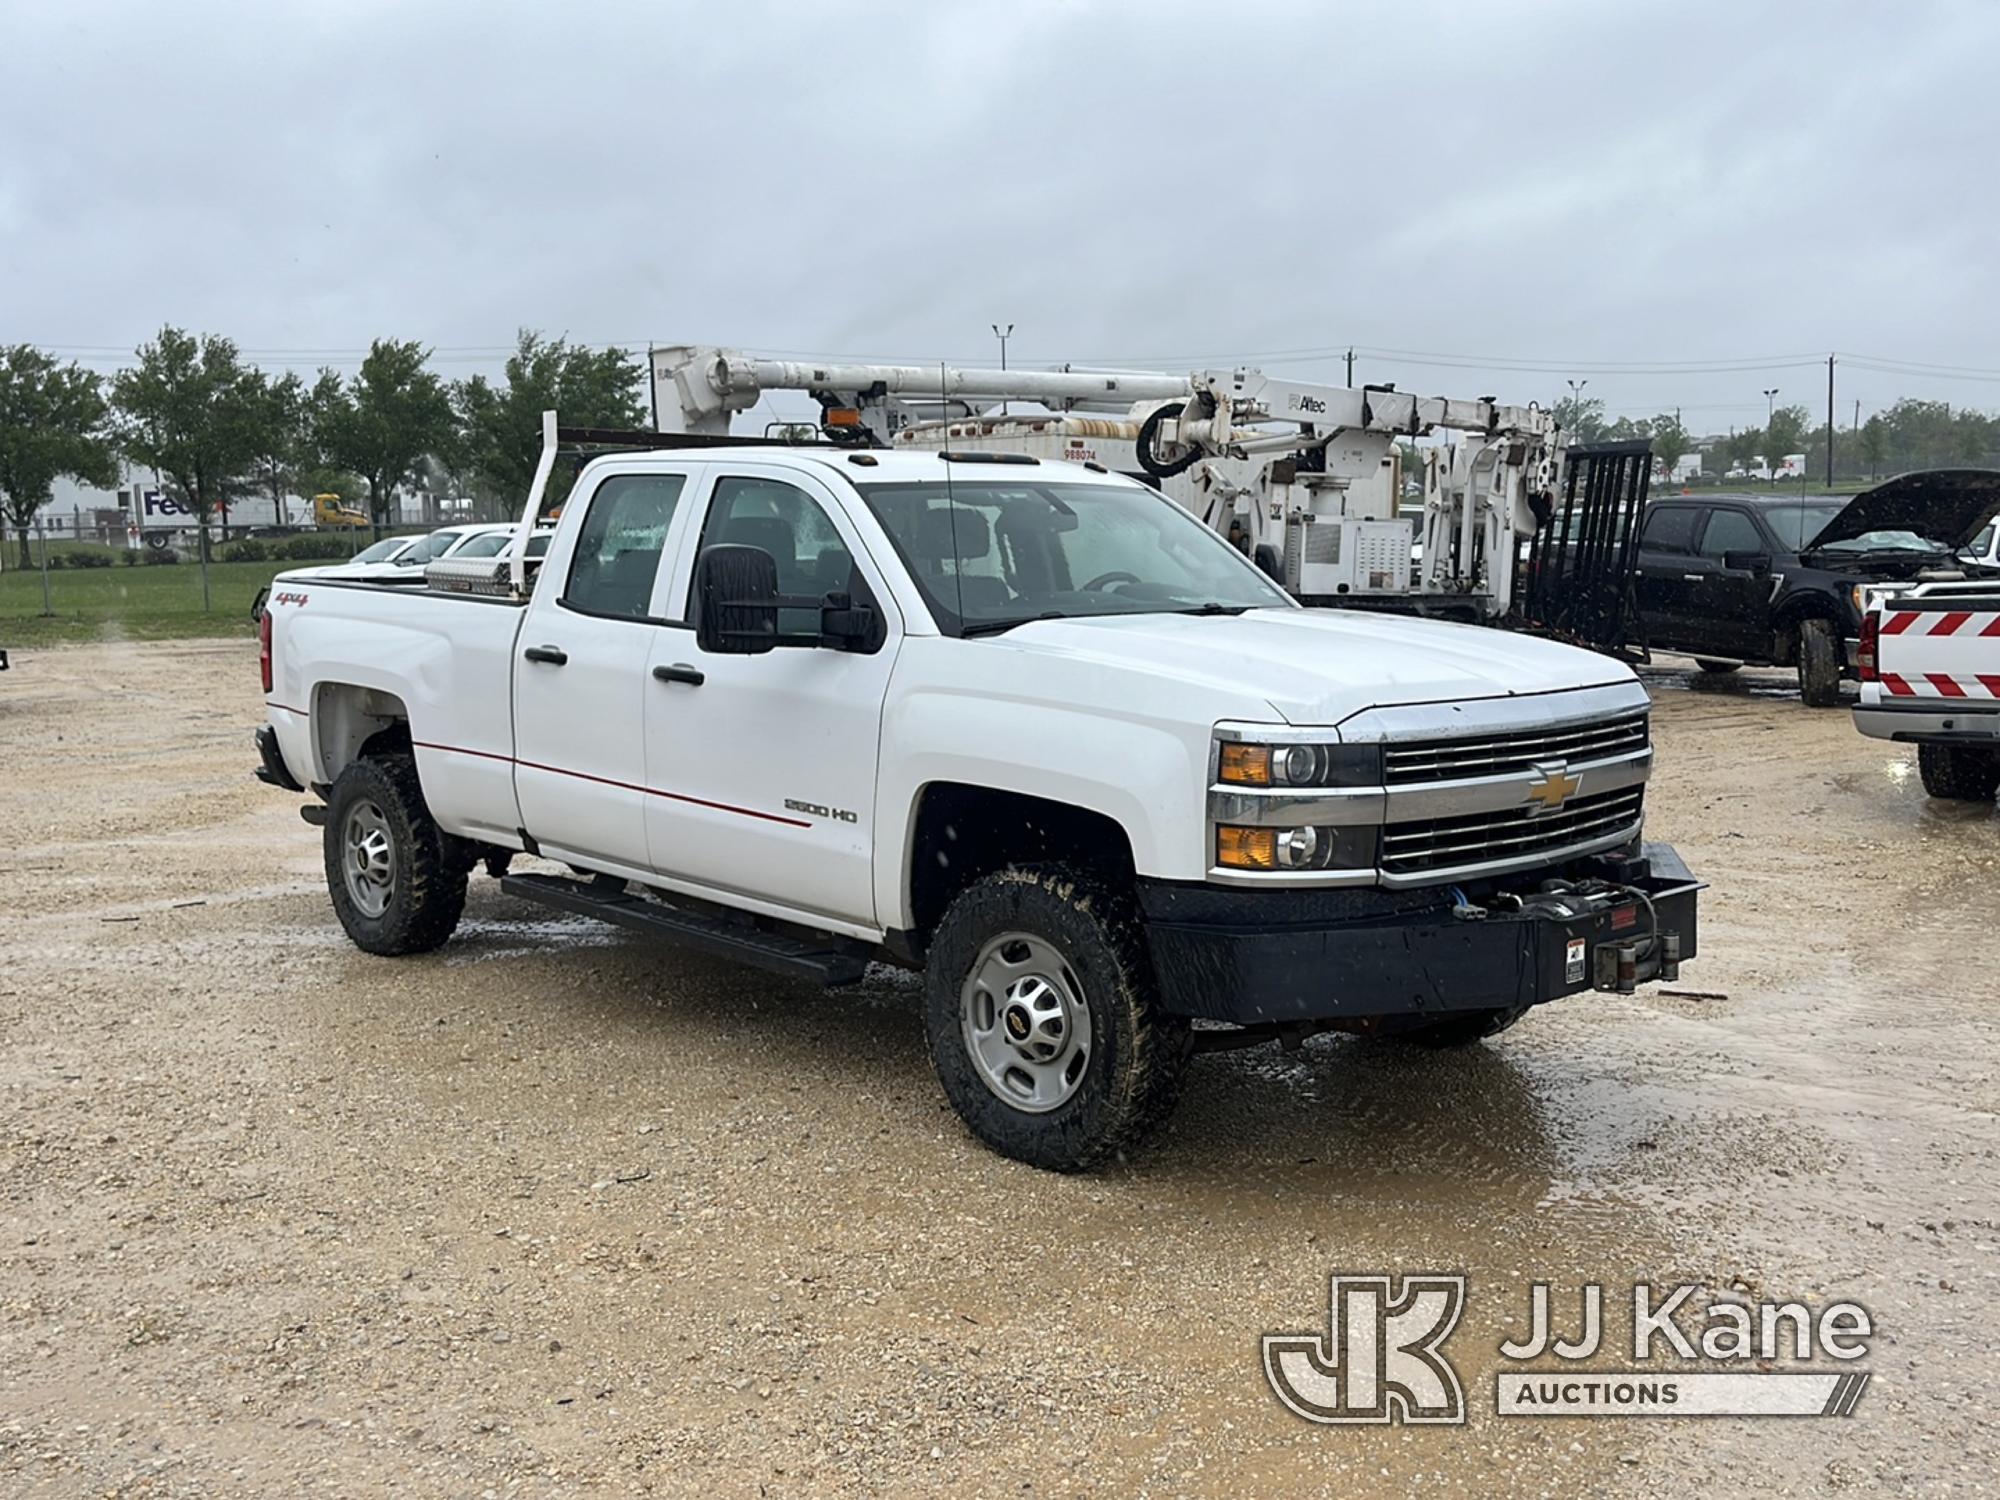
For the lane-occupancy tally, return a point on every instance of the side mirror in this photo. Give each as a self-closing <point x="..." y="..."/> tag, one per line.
<point x="1747" y="562"/>
<point x="847" y="626"/>
<point x="736" y="600"/>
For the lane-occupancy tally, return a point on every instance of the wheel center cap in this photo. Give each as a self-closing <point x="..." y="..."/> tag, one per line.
<point x="1018" y="1024"/>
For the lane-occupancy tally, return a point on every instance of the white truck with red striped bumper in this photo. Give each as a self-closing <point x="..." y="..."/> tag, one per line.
<point x="1029" y="727"/>
<point x="1930" y="676"/>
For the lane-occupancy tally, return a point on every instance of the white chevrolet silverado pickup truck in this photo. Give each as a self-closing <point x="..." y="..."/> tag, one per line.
<point x="1028" y="727"/>
<point x="1930" y="676"/>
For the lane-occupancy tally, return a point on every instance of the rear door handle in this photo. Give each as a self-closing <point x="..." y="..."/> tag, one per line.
<point x="1693" y="577"/>
<point x="680" y="671"/>
<point x="554" y="656"/>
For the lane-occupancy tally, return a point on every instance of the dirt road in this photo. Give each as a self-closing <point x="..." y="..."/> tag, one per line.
<point x="554" y="1211"/>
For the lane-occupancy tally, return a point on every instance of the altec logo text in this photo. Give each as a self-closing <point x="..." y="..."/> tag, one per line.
<point x="1382" y="1358"/>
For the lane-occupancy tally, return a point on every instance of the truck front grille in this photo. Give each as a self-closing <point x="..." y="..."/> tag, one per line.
<point x="1484" y="838"/>
<point x="1496" y="754"/>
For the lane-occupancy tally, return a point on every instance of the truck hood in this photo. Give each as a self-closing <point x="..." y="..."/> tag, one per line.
<point x="1320" y="666"/>
<point x="1946" y="506"/>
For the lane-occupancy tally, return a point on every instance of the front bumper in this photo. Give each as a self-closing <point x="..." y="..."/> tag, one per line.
<point x="1258" y="958"/>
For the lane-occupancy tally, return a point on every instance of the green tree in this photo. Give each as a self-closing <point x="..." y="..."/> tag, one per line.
<point x="379" y="424"/>
<point x="500" y="427"/>
<point x="1671" y="441"/>
<point x="1874" y="440"/>
<point x="1786" y="434"/>
<point x="1582" y="419"/>
<point x="188" y="408"/>
<point x="279" y="427"/>
<point x="52" y="424"/>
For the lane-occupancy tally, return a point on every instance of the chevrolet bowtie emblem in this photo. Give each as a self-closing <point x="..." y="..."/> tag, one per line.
<point x="1552" y="787"/>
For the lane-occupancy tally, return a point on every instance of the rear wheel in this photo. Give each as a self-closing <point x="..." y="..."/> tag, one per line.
<point x="1708" y="664"/>
<point x="1819" y="664"/>
<point x="397" y="881"/>
<point x="1043" y="1020"/>
<point x="1959" y="773"/>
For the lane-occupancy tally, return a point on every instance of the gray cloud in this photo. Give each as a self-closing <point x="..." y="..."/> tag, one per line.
<point x="1572" y="186"/>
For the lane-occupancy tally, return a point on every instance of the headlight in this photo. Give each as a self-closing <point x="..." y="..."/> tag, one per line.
<point x="1301" y="848"/>
<point x="1243" y="764"/>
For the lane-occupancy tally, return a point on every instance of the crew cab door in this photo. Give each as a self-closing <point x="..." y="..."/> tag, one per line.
<point x="763" y="766"/>
<point x="1732" y="606"/>
<point x="580" y="683"/>
<point x="1667" y="575"/>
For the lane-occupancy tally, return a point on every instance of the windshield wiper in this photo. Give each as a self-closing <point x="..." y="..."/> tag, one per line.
<point x="994" y="627"/>
<point x="1212" y="608"/>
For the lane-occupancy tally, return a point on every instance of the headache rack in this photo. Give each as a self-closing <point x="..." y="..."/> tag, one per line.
<point x="1576" y="582"/>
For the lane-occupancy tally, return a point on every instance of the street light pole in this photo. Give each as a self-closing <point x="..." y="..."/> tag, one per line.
<point x="1770" y="405"/>
<point x="1576" y="399"/>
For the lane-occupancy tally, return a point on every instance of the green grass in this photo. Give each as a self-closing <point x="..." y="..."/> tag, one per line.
<point x="138" y="603"/>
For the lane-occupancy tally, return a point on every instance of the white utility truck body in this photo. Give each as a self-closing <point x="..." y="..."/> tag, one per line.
<point x="1302" y="477"/>
<point x="1026" y="725"/>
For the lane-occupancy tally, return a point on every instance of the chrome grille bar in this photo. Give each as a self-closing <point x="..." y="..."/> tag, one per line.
<point x="1442" y="843"/>
<point x="1489" y="755"/>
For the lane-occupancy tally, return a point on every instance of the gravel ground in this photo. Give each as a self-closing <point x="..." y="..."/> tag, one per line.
<point x="554" y="1211"/>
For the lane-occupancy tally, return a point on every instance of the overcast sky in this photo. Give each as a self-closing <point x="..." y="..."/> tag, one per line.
<point x="1540" y="192"/>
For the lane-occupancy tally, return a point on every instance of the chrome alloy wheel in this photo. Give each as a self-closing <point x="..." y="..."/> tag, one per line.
<point x="368" y="858"/>
<point x="1025" y="1023"/>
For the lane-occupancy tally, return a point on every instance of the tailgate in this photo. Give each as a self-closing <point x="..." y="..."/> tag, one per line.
<point x="1942" y="646"/>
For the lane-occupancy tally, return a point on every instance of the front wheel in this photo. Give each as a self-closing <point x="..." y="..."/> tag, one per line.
<point x="1043" y="1020"/>
<point x="1959" y="773"/>
<point x="398" y="886"/>
<point x="1819" y="664"/>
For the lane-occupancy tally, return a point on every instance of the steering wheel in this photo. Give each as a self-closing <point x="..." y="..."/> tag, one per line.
<point x="1104" y="580"/>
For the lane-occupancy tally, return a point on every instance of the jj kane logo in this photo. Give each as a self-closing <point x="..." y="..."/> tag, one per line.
<point x="1383" y="1361"/>
<point x="1382" y="1358"/>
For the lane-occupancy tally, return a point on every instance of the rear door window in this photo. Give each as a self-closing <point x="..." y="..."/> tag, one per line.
<point x="618" y="548"/>
<point x="1670" y="529"/>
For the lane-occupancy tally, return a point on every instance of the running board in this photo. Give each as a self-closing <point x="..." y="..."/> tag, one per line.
<point x="821" y="959"/>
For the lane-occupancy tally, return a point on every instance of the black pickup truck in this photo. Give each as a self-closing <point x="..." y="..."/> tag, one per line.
<point x="1775" y="580"/>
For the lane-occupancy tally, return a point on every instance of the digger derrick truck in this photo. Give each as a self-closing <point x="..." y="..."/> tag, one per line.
<point x="1303" y="478"/>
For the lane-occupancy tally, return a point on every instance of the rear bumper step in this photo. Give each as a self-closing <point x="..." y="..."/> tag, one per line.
<point x="822" y="960"/>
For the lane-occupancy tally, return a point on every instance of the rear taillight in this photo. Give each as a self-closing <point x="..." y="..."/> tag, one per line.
<point x="264" y="648"/>
<point x="1868" y="654"/>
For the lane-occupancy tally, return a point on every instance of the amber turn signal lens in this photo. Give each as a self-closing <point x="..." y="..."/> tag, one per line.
<point x="1246" y="848"/>
<point x="1246" y="765"/>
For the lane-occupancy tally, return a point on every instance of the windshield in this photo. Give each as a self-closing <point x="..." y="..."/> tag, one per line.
<point x="1796" y="525"/>
<point x="381" y="551"/>
<point x="1983" y="543"/>
<point x="429" y="548"/>
<point x="990" y="552"/>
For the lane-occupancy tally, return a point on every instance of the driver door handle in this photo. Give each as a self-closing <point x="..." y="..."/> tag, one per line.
<point x="1693" y="577"/>
<point x="553" y="656"/>
<point x="681" y="672"/>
